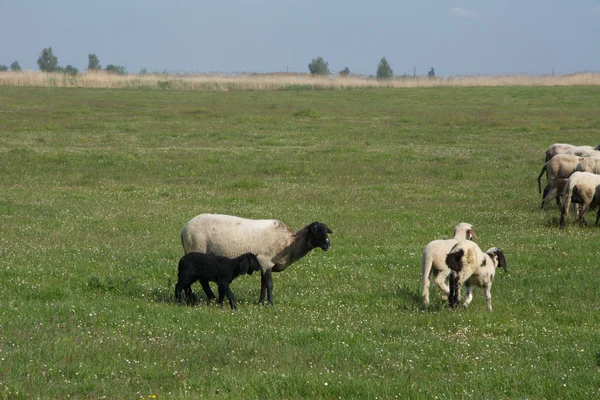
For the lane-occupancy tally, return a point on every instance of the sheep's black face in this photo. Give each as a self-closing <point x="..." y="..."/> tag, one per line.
<point x="318" y="235"/>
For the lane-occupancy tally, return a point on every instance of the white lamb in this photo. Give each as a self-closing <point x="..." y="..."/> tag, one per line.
<point x="433" y="260"/>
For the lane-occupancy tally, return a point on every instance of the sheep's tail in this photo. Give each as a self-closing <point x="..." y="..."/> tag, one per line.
<point x="183" y="243"/>
<point x="544" y="168"/>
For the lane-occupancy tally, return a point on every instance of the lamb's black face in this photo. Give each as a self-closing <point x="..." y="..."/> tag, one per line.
<point x="318" y="235"/>
<point x="253" y="264"/>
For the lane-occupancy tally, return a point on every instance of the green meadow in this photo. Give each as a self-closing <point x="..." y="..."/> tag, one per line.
<point x="96" y="184"/>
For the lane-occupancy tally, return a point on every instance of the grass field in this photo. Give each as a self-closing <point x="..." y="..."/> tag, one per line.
<point x="96" y="184"/>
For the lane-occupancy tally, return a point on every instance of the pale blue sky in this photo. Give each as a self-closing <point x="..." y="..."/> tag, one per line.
<point x="458" y="37"/>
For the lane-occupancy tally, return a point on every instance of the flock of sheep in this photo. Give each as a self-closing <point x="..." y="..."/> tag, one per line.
<point x="573" y="173"/>
<point x="219" y="248"/>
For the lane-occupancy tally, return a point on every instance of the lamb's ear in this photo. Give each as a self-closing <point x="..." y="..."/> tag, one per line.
<point x="472" y="233"/>
<point x="501" y="260"/>
<point x="328" y="230"/>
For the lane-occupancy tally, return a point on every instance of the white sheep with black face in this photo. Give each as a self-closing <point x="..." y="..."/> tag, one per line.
<point x="473" y="268"/>
<point x="433" y="260"/>
<point x="274" y="244"/>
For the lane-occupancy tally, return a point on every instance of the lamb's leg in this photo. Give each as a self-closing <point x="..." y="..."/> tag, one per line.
<point x="469" y="296"/>
<point x="225" y="290"/>
<point x="453" y="294"/>
<point x="266" y="287"/>
<point x="487" y="292"/>
<point x="178" y="291"/>
<point x="425" y="291"/>
<point x="209" y="293"/>
<point x="440" y="280"/>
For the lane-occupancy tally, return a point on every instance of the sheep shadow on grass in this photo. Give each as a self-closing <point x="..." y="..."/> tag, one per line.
<point x="410" y="298"/>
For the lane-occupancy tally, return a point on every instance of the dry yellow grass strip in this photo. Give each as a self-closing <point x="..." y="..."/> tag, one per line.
<point x="214" y="82"/>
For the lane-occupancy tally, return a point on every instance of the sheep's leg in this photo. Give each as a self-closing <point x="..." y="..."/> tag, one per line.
<point x="209" y="293"/>
<point x="545" y="195"/>
<point x="469" y="296"/>
<point x="266" y="287"/>
<point x="453" y="294"/>
<point x="225" y="290"/>
<point x="178" y="290"/>
<point x="487" y="292"/>
<point x="582" y="212"/>
<point x="425" y="291"/>
<point x="440" y="280"/>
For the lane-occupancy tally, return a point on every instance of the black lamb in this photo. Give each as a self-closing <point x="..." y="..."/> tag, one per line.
<point x="210" y="268"/>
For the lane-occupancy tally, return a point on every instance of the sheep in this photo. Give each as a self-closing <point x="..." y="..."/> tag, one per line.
<point x="206" y="268"/>
<point x="560" y="166"/>
<point x="472" y="267"/>
<point x="582" y="188"/>
<point x="433" y="260"/>
<point x="275" y="245"/>
<point x="564" y="148"/>
<point x="555" y="191"/>
<point x="591" y="164"/>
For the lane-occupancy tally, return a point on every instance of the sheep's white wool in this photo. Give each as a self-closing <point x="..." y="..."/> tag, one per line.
<point x="586" y="185"/>
<point x="565" y="148"/>
<point x="474" y="268"/>
<point x="591" y="164"/>
<point x="560" y="166"/>
<point x="433" y="260"/>
<point x="275" y="246"/>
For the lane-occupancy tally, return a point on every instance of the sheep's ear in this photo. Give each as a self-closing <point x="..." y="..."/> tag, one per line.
<point x="501" y="260"/>
<point x="328" y="230"/>
<point x="472" y="233"/>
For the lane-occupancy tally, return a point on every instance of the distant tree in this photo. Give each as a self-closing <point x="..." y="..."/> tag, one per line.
<point x="71" y="70"/>
<point x="93" y="62"/>
<point x="384" y="71"/>
<point x="116" y="69"/>
<point x="15" y="66"/>
<point x="345" y="72"/>
<point x="431" y="73"/>
<point x="143" y="71"/>
<point x="47" y="61"/>
<point x="318" y="66"/>
<point x="3" y="68"/>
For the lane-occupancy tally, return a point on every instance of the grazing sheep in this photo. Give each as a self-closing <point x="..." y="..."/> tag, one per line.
<point x="555" y="191"/>
<point x="433" y="260"/>
<point x="591" y="164"/>
<point x="564" y="148"/>
<point x="472" y="267"/>
<point x="582" y="188"/>
<point x="210" y="268"/>
<point x="275" y="245"/>
<point x="560" y="166"/>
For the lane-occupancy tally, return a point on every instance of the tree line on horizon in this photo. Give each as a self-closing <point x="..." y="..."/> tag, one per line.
<point x="319" y="66"/>
<point x="48" y="62"/>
